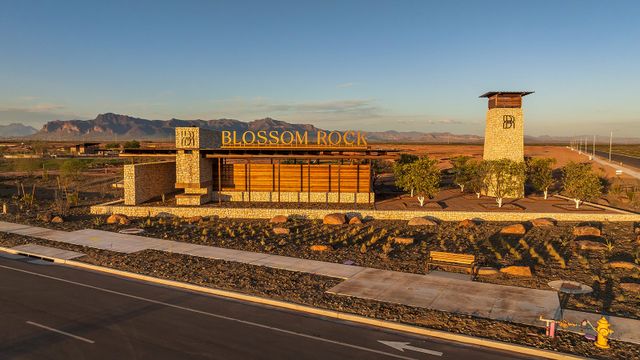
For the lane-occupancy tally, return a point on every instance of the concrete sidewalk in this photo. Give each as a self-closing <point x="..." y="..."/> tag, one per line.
<point x="433" y="291"/>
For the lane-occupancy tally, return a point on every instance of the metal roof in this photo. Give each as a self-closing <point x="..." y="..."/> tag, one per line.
<point x="491" y="93"/>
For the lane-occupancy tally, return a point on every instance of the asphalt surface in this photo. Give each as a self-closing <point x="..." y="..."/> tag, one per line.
<point x="625" y="160"/>
<point x="51" y="311"/>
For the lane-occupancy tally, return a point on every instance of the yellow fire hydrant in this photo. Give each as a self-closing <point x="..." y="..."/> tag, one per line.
<point x="604" y="330"/>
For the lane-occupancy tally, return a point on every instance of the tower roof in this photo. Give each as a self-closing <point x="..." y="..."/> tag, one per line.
<point x="492" y="93"/>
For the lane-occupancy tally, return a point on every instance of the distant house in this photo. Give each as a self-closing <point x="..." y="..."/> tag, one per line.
<point x="84" y="149"/>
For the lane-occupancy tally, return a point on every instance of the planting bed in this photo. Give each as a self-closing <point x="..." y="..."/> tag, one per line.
<point x="310" y="290"/>
<point x="552" y="253"/>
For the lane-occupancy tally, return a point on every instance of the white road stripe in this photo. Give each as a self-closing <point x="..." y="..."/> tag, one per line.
<point x="250" y="323"/>
<point x="60" y="332"/>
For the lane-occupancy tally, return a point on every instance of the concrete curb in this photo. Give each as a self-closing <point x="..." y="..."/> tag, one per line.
<point x="316" y="311"/>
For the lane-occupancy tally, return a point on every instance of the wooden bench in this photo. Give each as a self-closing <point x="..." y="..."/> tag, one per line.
<point x="446" y="259"/>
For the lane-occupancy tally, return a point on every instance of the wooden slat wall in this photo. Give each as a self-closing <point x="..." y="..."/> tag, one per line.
<point x="505" y="101"/>
<point x="295" y="177"/>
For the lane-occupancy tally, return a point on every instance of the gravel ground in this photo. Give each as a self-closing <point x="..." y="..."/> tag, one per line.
<point x="310" y="290"/>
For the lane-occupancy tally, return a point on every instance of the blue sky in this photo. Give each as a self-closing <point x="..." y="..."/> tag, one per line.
<point x="371" y="65"/>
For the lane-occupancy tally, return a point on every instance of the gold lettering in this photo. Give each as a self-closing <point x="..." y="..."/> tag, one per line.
<point x="302" y="140"/>
<point x="235" y="139"/>
<point x="291" y="137"/>
<point x="226" y="137"/>
<point x="273" y="137"/>
<point x="337" y="141"/>
<point x="322" y="137"/>
<point x="244" y="137"/>
<point x="362" y="141"/>
<point x="262" y="136"/>
<point x="346" y="138"/>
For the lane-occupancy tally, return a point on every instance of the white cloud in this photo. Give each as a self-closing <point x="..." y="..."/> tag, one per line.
<point x="345" y="85"/>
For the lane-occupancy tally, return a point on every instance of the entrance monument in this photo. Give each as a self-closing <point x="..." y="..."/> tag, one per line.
<point x="504" y="131"/>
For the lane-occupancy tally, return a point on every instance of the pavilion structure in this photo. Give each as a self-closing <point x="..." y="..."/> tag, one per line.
<point x="201" y="169"/>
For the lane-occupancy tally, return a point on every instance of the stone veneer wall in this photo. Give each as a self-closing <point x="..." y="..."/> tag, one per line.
<point x="500" y="143"/>
<point x="145" y="181"/>
<point x="117" y="207"/>
<point x="314" y="197"/>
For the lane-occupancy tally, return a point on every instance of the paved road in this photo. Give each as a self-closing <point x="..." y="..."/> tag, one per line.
<point x="626" y="160"/>
<point x="55" y="312"/>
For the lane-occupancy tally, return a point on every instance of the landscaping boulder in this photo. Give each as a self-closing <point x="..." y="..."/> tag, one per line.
<point x="586" y="231"/>
<point x="403" y="240"/>
<point x="278" y="219"/>
<point x="631" y="287"/>
<point x="319" y="248"/>
<point x="45" y="217"/>
<point x="355" y="221"/>
<point x="467" y="223"/>
<point x="523" y="271"/>
<point x="591" y="245"/>
<point x="542" y="222"/>
<point x="623" y="265"/>
<point x="194" y="219"/>
<point x="334" y="219"/>
<point x="281" y="231"/>
<point x="515" y="229"/>
<point x="421" y="221"/>
<point x="638" y="240"/>
<point x="118" y="219"/>
<point x="57" y="220"/>
<point x="487" y="271"/>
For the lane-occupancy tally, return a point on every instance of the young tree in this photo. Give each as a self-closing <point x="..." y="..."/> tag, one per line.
<point x="133" y="144"/>
<point x="540" y="174"/>
<point x="478" y="174"/>
<point x="401" y="170"/>
<point x="461" y="171"/>
<point x="406" y="158"/>
<point x="506" y="178"/>
<point x="72" y="168"/>
<point x="580" y="183"/>
<point x="424" y="177"/>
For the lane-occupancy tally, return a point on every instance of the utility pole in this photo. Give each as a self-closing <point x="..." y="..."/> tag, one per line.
<point x="594" y="147"/>
<point x="610" y="145"/>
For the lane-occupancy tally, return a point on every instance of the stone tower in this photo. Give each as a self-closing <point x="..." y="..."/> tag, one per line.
<point x="504" y="132"/>
<point x="194" y="172"/>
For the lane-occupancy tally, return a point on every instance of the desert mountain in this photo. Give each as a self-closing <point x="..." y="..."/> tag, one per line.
<point x="16" y="130"/>
<point x="109" y="127"/>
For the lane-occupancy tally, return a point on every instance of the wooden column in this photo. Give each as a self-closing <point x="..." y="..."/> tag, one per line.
<point x="339" y="180"/>
<point x="355" y="196"/>
<point x="248" y="185"/>
<point x="279" y="163"/>
<point x="219" y="180"/>
<point x="309" y="180"/>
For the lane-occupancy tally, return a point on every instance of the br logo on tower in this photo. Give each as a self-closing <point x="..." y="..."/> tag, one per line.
<point x="187" y="137"/>
<point x="508" y="122"/>
<point x="275" y="138"/>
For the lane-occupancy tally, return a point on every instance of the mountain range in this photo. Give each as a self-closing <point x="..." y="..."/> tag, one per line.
<point x="16" y="130"/>
<point x="110" y="127"/>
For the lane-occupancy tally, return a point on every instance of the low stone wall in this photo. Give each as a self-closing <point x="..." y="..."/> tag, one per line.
<point x="303" y="197"/>
<point x="145" y="181"/>
<point x="267" y="213"/>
